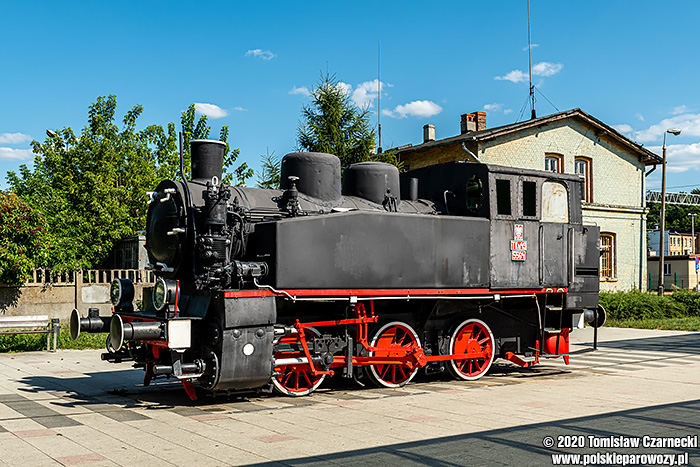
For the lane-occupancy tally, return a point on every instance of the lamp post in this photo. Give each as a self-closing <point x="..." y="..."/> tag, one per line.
<point x="674" y="131"/>
<point x="692" y="229"/>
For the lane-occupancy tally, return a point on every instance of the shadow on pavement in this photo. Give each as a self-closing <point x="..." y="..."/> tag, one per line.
<point x="523" y="445"/>
<point x="679" y="343"/>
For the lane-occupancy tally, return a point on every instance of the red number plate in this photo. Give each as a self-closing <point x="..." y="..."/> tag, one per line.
<point x="518" y="245"/>
<point x="518" y="255"/>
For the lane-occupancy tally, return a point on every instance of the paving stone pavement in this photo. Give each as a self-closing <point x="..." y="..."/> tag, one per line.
<point x="70" y="408"/>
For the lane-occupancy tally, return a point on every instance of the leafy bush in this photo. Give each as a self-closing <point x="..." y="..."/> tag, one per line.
<point x="637" y="305"/>
<point x="690" y="299"/>
<point x="24" y="242"/>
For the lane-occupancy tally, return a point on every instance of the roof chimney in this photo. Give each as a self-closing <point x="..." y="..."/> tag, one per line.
<point x="475" y="121"/>
<point x="428" y="133"/>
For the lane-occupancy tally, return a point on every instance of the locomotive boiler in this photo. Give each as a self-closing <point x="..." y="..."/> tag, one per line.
<point x="443" y="268"/>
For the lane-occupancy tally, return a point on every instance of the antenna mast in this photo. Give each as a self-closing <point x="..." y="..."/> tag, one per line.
<point x="529" y="59"/>
<point x="379" y="96"/>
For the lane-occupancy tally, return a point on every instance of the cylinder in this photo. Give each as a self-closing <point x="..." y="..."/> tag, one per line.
<point x="319" y="174"/>
<point x="413" y="189"/>
<point x="119" y="331"/>
<point x="90" y="324"/>
<point x="198" y="366"/>
<point x="214" y="210"/>
<point x="207" y="159"/>
<point x="373" y="181"/>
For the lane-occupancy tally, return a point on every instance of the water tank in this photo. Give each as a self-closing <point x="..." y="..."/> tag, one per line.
<point x="318" y="172"/>
<point x="372" y="181"/>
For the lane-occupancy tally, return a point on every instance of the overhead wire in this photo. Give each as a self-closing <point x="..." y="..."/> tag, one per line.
<point x="545" y="98"/>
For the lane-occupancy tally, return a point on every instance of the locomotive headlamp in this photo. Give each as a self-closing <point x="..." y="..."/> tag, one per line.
<point x="164" y="293"/>
<point x="121" y="292"/>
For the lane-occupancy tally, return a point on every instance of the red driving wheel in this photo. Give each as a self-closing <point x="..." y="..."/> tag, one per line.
<point x="399" y="337"/>
<point x="472" y="336"/>
<point x="295" y="379"/>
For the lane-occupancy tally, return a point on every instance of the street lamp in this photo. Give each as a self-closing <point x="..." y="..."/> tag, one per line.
<point x="692" y="229"/>
<point x="673" y="131"/>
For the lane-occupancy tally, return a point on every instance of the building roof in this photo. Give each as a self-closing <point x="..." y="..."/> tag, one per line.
<point x="646" y="156"/>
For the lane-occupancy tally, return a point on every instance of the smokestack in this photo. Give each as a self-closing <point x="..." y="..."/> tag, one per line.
<point x="207" y="159"/>
<point x="428" y="133"/>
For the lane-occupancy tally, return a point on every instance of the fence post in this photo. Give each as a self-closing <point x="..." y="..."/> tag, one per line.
<point x="78" y="288"/>
<point x="56" y="332"/>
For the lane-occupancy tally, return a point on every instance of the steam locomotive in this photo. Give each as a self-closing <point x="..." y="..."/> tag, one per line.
<point x="443" y="268"/>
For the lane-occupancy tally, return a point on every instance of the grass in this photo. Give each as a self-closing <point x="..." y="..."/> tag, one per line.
<point x="688" y="323"/>
<point x="28" y="342"/>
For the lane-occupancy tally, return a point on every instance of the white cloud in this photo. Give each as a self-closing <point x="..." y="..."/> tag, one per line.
<point x="264" y="54"/>
<point x="515" y="76"/>
<point x="539" y="69"/>
<point x="362" y="95"/>
<point x="210" y="110"/>
<point x="681" y="109"/>
<point x="546" y="69"/>
<point x="10" y="154"/>
<point x="303" y="90"/>
<point x="639" y="117"/>
<point x="680" y="157"/>
<point x="623" y="128"/>
<point x="345" y="87"/>
<point x="365" y="93"/>
<point x="240" y="109"/>
<point x="414" y="109"/>
<point x="14" y="138"/>
<point x="688" y="123"/>
<point x="497" y="107"/>
<point x="532" y="46"/>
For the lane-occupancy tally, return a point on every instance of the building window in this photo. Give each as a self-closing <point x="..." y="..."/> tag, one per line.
<point x="554" y="163"/>
<point x="667" y="269"/>
<point x="608" y="260"/>
<point x="583" y="166"/>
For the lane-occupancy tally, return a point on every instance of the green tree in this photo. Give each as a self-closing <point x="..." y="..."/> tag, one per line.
<point x="332" y="124"/>
<point x="92" y="189"/>
<point x="24" y="242"/>
<point x="269" y="177"/>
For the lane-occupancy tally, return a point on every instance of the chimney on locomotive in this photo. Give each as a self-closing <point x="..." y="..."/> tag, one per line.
<point x="207" y="159"/>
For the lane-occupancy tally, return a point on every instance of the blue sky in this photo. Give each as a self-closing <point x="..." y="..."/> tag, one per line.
<point x="632" y="64"/>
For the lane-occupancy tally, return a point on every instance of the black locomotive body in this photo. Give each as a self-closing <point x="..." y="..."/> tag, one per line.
<point x="444" y="268"/>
